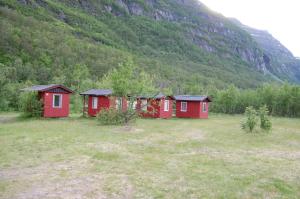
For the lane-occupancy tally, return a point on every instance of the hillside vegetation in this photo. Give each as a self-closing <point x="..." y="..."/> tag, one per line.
<point x="183" y="44"/>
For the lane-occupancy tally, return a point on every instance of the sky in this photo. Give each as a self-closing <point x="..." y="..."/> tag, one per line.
<point x="281" y="18"/>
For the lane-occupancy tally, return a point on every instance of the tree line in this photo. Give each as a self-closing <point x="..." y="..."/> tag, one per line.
<point x="281" y="100"/>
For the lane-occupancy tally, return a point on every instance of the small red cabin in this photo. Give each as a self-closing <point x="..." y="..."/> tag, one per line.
<point x="188" y="106"/>
<point x="160" y="106"/>
<point x="99" y="99"/>
<point x="55" y="98"/>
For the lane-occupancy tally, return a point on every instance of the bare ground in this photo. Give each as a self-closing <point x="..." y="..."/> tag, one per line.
<point x="68" y="179"/>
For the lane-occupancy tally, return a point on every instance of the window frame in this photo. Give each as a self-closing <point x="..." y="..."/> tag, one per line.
<point x="94" y="106"/>
<point x="60" y="101"/>
<point x="166" y="108"/>
<point x="181" y="106"/>
<point x="144" y="106"/>
<point x="134" y="103"/>
<point x="204" y="107"/>
<point x="119" y="103"/>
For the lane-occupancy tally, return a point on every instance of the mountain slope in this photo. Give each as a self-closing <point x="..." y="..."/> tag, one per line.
<point x="280" y="61"/>
<point x="181" y="41"/>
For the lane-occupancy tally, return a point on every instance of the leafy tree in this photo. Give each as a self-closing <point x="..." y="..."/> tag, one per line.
<point x="30" y="104"/>
<point x="127" y="81"/>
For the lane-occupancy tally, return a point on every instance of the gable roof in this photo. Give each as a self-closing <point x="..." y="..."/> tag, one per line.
<point x="41" y="88"/>
<point x="97" y="92"/>
<point x="158" y="96"/>
<point x="194" y="98"/>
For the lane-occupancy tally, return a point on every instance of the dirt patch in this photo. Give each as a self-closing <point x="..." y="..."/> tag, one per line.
<point x="68" y="179"/>
<point x="129" y="129"/>
<point x="235" y="155"/>
<point x="192" y="135"/>
<point x="7" y="119"/>
<point x="106" y="147"/>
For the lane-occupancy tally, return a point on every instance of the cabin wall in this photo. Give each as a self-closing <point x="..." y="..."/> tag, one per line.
<point x="163" y="113"/>
<point x="103" y="103"/>
<point x="193" y="110"/>
<point x="113" y="101"/>
<point x="204" y="115"/>
<point x="49" y="110"/>
<point x="155" y="109"/>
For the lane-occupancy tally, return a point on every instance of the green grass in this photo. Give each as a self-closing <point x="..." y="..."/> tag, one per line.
<point x="178" y="158"/>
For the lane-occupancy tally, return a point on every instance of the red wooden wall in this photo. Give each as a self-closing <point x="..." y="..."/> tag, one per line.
<point x="155" y="109"/>
<point x="194" y="110"/>
<point x="104" y="102"/>
<point x="49" y="110"/>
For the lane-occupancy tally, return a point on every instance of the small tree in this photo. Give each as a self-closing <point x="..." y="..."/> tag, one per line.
<point x="251" y="119"/>
<point x="265" y="122"/>
<point x="127" y="81"/>
<point x="30" y="104"/>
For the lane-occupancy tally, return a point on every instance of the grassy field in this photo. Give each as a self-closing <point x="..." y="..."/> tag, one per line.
<point x="178" y="158"/>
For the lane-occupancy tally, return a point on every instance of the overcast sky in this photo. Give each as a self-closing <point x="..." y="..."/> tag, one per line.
<point x="281" y="18"/>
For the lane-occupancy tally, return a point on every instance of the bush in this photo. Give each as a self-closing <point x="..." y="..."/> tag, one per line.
<point x="265" y="122"/>
<point x="110" y="117"/>
<point x="116" y="117"/>
<point x="251" y="119"/>
<point x="30" y="104"/>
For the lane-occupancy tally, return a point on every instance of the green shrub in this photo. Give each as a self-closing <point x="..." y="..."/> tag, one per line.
<point x="116" y="117"/>
<point x="30" y="104"/>
<point x="265" y="122"/>
<point x="251" y="119"/>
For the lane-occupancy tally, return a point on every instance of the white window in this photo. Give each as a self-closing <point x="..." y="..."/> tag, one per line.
<point x="94" y="102"/>
<point x="183" y="107"/>
<point x="119" y="103"/>
<point x="57" y="101"/>
<point x="144" y="105"/>
<point x="131" y="105"/>
<point x="134" y="104"/>
<point x="204" y="107"/>
<point x="166" y="105"/>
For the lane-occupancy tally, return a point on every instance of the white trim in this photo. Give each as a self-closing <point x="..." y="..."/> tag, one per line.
<point x="119" y="103"/>
<point x="133" y="104"/>
<point x="144" y="105"/>
<point x="94" y="102"/>
<point x="204" y="107"/>
<point x="166" y="105"/>
<point x="182" y="109"/>
<point x="60" y="100"/>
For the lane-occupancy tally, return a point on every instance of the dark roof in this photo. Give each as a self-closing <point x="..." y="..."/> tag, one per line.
<point x="192" y="98"/>
<point x="97" y="92"/>
<point x="158" y="96"/>
<point x="46" y="88"/>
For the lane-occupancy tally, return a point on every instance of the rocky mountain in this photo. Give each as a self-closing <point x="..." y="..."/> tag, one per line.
<point x="184" y="43"/>
<point x="279" y="60"/>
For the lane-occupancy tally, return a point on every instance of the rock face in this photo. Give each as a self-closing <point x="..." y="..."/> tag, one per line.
<point x="204" y="35"/>
<point x="211" y="32"/>
<point x="278" y="59"/>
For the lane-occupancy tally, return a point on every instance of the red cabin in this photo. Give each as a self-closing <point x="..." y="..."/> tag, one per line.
<point x="55" y="98"/>
<point x="188" y="106"/>
<point x="99" y="99"/>
<point x="160" y="106"/>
